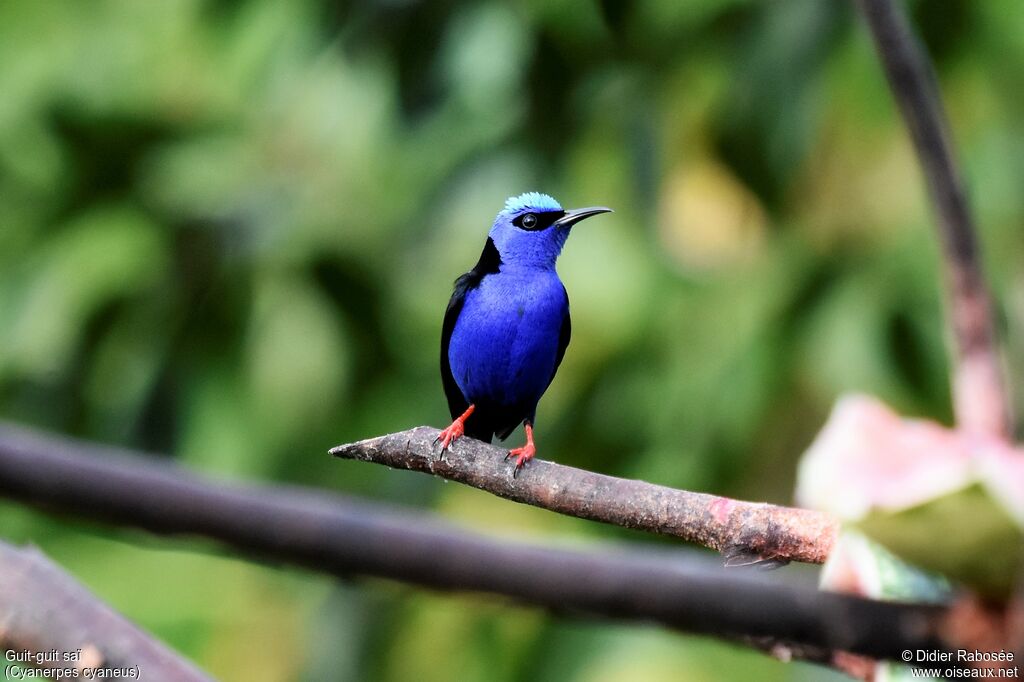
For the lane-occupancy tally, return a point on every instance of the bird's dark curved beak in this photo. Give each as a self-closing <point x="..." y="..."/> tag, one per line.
<point x="575" y="215"/>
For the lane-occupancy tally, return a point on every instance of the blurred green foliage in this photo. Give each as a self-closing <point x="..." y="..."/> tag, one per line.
<point x="228" y="232"/>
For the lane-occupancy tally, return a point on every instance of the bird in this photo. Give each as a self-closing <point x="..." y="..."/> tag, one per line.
<point x="507" y="325"/>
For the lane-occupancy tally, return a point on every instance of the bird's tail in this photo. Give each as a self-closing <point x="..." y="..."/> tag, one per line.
<point x="502" y="434"/>
<point x="479" y="429"/>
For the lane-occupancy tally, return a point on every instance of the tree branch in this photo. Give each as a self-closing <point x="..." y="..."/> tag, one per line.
<point x="737" y="529"/>
<point x="42" y="610"/>
<point x="331" y="534"/>
<point x="980" y="399"/>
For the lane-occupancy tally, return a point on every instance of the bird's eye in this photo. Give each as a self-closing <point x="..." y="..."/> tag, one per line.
<point x="529" y="221"/>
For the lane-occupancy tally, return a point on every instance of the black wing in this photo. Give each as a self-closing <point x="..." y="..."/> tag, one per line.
<point x="489" y="262"/>
<point x="457" y="402"/>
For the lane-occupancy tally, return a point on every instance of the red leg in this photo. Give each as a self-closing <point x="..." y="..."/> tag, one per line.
<point x="453" y="432"/>
<point x="525" y="453"/>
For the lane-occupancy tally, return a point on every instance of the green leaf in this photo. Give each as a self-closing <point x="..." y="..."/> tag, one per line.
<point x="966" y="535"/>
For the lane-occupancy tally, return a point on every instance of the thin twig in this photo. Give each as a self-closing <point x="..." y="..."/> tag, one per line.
<point x="331" y="534"/>
<point x="737" y="529"/>
<point x="48" y="620"/>
<point x="980" y="398"/>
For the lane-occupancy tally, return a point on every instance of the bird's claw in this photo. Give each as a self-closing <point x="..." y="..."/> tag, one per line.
<point x="448" y="437"/>
<point x="522" y="455"/>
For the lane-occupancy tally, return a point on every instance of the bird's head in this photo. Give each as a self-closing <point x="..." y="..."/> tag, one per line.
<point x="533" y="227"/>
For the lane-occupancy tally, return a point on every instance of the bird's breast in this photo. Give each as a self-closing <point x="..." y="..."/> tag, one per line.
<point x="505" y="342"/>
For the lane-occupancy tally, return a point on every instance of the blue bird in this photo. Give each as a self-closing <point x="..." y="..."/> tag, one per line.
<point x="507" y="324"/>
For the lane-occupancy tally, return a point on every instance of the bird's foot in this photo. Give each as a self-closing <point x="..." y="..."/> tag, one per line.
<point x="448" y="437"/>
<point x="523" y="454"/>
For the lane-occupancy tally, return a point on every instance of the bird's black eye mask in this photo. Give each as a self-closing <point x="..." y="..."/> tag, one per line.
<point x="536" y="221"/>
